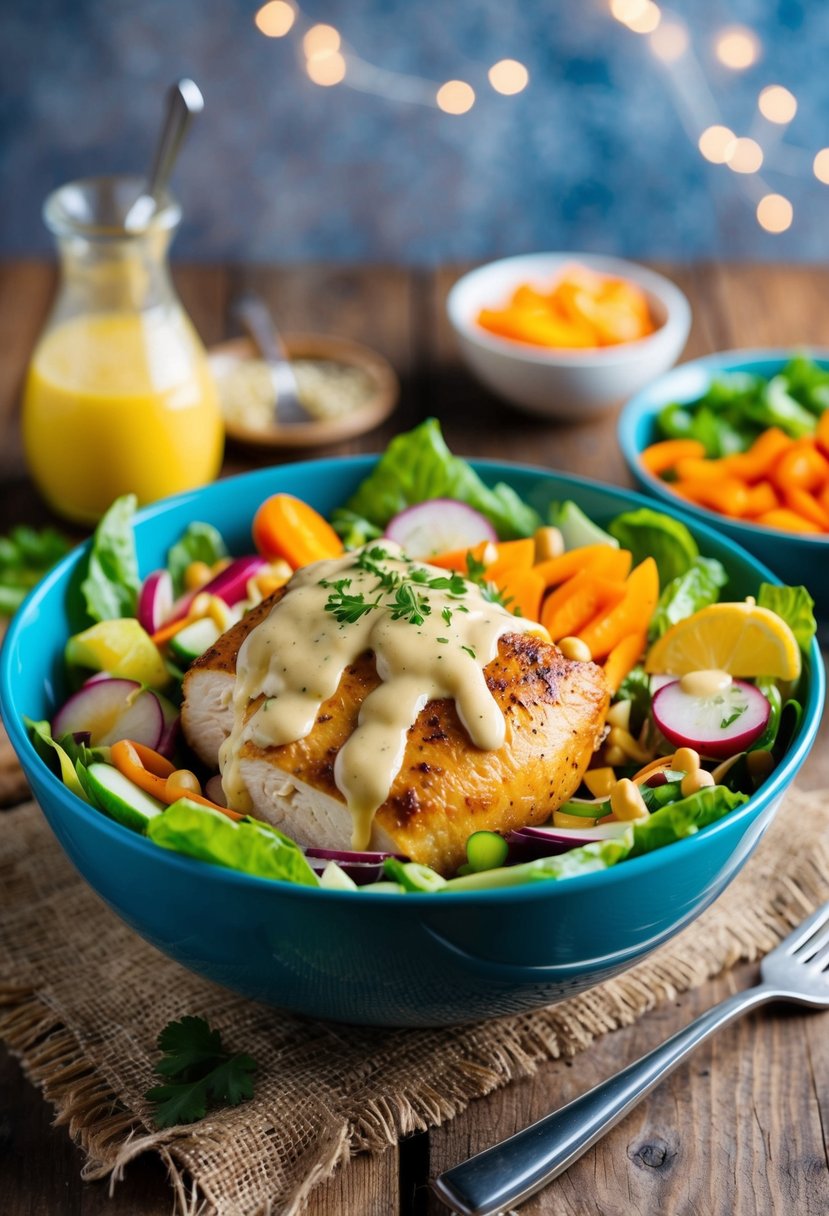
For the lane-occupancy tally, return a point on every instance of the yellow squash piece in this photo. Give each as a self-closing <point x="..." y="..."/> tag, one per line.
<point x="122" y="648"/>
<point x="741" y="638"/>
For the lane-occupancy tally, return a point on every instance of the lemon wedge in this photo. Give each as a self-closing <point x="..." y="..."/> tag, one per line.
<point x="122" y="648"/>
<point x="742" y="639"/>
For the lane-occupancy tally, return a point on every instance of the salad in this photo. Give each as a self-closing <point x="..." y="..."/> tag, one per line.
<point x="704" y="691"/>
<point x="752" y="449"/>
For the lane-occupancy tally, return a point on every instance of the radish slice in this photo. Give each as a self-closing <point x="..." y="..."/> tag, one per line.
<point x="231" y="583"/>
<point x="528" y="843"/>
<point x="439" y="526"/>
<point x="110" y="710"/>
<point x="155" y="600"/>
<point x="716" y="726"/>
<point x="172" y="723"/>
<point x="362" y="868"/>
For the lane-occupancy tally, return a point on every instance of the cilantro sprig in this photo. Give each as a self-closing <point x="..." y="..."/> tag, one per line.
<point x="200" y="1072"/>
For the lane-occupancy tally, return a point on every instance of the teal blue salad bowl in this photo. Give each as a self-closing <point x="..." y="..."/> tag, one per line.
<point x="794" y="558"/>
<point x="383" y="959"/>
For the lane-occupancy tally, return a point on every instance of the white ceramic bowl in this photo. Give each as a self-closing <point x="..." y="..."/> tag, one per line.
<point x="565" y="383"/>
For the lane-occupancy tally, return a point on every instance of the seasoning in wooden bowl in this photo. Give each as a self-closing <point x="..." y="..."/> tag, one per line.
<point x="345" y="388"/>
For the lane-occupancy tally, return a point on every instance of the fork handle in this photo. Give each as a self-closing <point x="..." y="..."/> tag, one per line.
<point x="511" y="1171"/>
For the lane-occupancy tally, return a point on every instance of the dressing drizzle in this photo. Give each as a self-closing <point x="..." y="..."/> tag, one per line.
<point x="432" y="634"/>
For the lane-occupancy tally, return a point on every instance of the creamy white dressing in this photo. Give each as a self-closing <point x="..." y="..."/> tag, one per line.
<point x="430" y="641"/>
<point x="706" y="682"/>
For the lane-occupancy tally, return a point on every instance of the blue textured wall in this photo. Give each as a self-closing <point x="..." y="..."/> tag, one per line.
<point x="592" y="155"/>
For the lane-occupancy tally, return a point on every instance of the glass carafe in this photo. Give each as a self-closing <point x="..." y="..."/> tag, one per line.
<point x="119" y="397"/>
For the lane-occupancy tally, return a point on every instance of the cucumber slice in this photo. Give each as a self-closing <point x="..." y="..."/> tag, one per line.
<point x="119" y="798"/>
<point x="334" y="878"/>
<point x="192" y="642"/>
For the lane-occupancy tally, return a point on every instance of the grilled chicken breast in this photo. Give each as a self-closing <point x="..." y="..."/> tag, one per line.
<point x="447" y="788"/>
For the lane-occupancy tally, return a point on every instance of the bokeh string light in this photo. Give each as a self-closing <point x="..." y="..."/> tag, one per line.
<point x="328" y="61"/>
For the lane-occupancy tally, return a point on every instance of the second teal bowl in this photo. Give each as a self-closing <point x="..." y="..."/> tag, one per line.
<point x="794" y="558"/>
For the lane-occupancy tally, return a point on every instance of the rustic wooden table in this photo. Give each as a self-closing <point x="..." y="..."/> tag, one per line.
<point x="743" y="1129"/>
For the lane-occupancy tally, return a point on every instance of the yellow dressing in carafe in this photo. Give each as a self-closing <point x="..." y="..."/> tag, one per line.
<point x="120" y="402"/>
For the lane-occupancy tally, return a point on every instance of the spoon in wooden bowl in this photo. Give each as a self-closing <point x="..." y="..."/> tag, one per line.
<point x="253" y="314"/>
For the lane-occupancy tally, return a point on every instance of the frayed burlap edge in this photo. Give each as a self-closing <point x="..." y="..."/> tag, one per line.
<point x="112" y="1137"/>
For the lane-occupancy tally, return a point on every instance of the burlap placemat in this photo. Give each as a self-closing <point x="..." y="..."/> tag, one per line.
<point x="82" y="1000"/>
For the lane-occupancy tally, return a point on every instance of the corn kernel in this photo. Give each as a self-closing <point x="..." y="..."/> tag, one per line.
<point x="196" y="575"/>
<point x="614" y="756"/>
<point x="617" y="737"/>
<point x="549" y="543"/>
<point x="696" y="780"/>
<point x="626" y="801"/>
<point x="576" y="650"/>
<point x="182" y="779"/>
<point x="266" y="584"/>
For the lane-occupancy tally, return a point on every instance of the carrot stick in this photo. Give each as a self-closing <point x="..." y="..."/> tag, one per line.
<point x="632" y="615"/>
<point x="558" y="569"/>
<point x="760" y="498"/>
<point x="728" y="495"/>
<point x="659" y="457"/>
<point x="163" y="635"/>
<point x="511" y="555"/>
<point x="622" y="658"/>
<point x="807" y="507"/>
<point x="456" y="559"/>
<point x="287" y="527"/>
<point x="575" y="603"/>
<point x="757" y="462"/>
<point x="523" y="590"/>
<point x="787" y="521"/>
<point x="822" y="433"/>
<point x="801" y="467"/>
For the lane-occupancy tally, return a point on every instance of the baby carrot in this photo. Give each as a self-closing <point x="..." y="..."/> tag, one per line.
<point x="728" y="496"/>
<point x="575" y="603"/>
<point x="630" y="616"/>
<point x="659" y="457"/>
<point x="757" y="462"/>
<point x="287" y="527"/>
<point x="822" y="433"/>
<point x="807" y="507"/>
<point x="760" y="498"/>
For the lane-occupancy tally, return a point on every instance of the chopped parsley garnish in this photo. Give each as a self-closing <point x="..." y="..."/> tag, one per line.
<point x="469" y="651"/>
<point x="476" y="573"/>
<point x="403" y="594"/>
<point x="738" y="712"/>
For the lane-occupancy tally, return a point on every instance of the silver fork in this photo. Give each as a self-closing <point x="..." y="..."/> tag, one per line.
<point x="509" y="1172"/>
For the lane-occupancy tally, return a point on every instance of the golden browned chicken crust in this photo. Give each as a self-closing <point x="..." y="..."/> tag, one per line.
<point x="446" y="788"/>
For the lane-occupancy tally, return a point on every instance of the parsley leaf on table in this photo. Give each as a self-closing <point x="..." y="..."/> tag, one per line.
<point x="201" y="1073"/>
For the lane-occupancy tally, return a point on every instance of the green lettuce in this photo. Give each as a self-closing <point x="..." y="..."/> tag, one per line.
<point x="247" y="845"/>
<point x="110" y="588"/>
<point x="418" y="466"/>
<point x="25" y="556"/>
<point x="352" y="529"/>
<point x="585" y="860"/>
<point x="684" y="595"/>
<point x="684" y="818"/>
<point x="648" y="533"/>
<point x="795" y="606"/>
<point x="51" y="751"/>
<point x="200" y="543"/>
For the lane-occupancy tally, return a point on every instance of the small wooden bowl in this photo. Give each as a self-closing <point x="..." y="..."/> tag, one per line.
<point x="378" y="406"/>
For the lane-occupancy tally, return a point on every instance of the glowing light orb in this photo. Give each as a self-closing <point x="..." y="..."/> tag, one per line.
<point x="774" y="213"/>
<point x="508" y="76"/>
<point x="777" y="104"/>
<point x="716" y="144"/>
<point x="275" y="18"/>
<point x="455" y="97"/>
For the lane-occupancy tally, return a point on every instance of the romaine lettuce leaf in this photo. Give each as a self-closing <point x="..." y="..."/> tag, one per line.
<point x="352" y="529"/>
<point x="25" y="556"/>
<point x="247" y="845"/>
<point x="648" y="533"/>
<point x="110" y="588"/>
<point x="684" y="595"/>
<point x="684" y="818"/>
<point x="200" y="543"/>
<point x="50" y="750"/>
<point x="795" y="606"/>
<point x="418" y="466"/>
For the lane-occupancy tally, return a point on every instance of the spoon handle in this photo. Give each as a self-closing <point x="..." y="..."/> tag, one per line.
<point x="253" y="314"/>
<point x="184" y="100"/>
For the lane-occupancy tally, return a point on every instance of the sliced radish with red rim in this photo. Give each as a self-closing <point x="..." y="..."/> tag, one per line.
<point x="155" y="600"/>
<point x="110" y="710"/>
<point x="439" y="526"/>
<point x="717" y="726"/>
